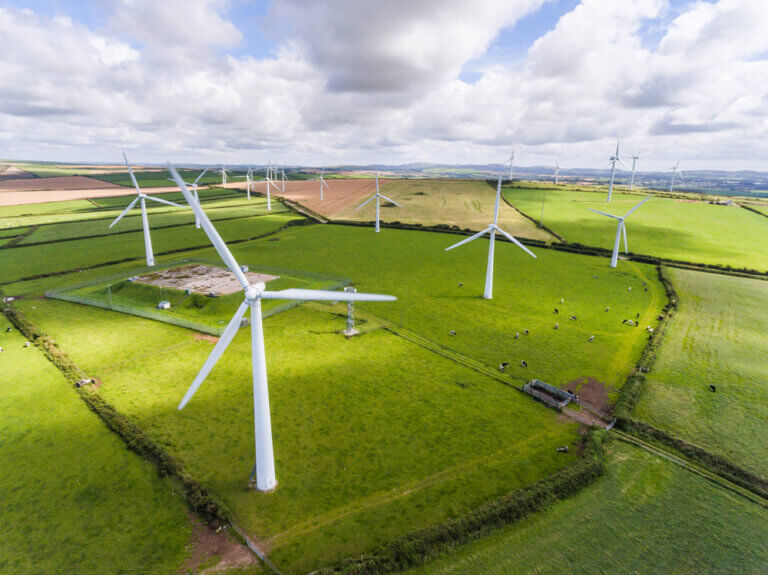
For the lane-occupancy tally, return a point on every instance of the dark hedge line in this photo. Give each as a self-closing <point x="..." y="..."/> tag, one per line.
<point x="714" y="463"/>
<point x="751" y="209"/>
<point x="635" y="383"/>
<point x="198" y="497"/>
<point x="418" y="547"/>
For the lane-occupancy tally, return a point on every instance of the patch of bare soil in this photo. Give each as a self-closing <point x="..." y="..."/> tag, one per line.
<point x="14" y="173"/>
<point x="342" y="194"/>
<point x="23" y="197"/>
<point x="214" y="552"/>
<point x="205" y="337"/>
<point x="592" y="393"/>
<point x="584" y="416"/>
<point x="201" y="279"/>
<point x="58" y="183"/>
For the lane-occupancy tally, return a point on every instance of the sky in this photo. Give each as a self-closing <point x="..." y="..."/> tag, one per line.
<point x="398" y="81"/>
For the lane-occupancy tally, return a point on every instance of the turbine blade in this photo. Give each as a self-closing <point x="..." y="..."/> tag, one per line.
<point x="637" y="206"/>
<point x="210" y="231"/>
<point x="225" y="339"/>
<point x="125" y="211"/>
<point x="604" y="213"/>
<point x="624" y="231"/>
<point x="515" y="241"/>
<point x="326" y="184"/>
<point x="469" y="239"/>
<point x="201" y="175"/>
<point x="130" y="172"/>
<point x="623" y="164"/>
<point x="162" y="201"/>
<point x="324" y="295"/>
<point x="365" y="202"/>
<point x="390" y="200"/>
<point x="679" y="173"/>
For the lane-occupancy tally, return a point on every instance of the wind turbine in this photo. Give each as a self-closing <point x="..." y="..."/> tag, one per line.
<point x="223" y="171"/>
<point x="612" y="162"/>
<point x="253" y="294"/>
<point x="635" y="163"/>
<point x="142" y="198"/>
<point x="194" y="192"/>
<point x="282" y="176"/>
<point x="268" y="177"/>
<point x="492" y="229"/>
<point x="557" y="172"/>
<point x="675" y="170"/>
<point x="621" y="229"/>
<point x="511" y="161"/>
<point x="377" y="196"/>
<point x="324" y="183"/>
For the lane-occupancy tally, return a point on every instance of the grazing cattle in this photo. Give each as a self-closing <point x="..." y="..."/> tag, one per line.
<point x="1" y="350"/>
<point x="712" y="387"/>
<point x="525" y="331"/>
<point x="461" y="284"/>
<point x="591" y="338"/>
<point x="557" y="325"/>
<point x="630" y="288"/>
<point x="563" y="449"/>
<point x="524" y="363"/>
<point x="562" y="300"/>
<point x="637" y="315"/>
<point x="517" y="335"/>
<point x="573" y="317"/>
<point x="452" y="332"/>
<point x="557" y="310"/>
<point x="503" y="366"/>
<point x="608" y="308"/>
<point x="8" y="329"/>
<point x="26" y="344"/>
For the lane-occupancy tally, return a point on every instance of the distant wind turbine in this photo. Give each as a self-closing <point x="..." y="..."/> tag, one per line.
<point x="377" y="196"/>
<point x="223" y="171"/>
<point x="511" y="161"/>
<point x="142" y="199"/>
<point x="253" y="294"/>
<point x="621" y="229"/>
<point x="675" y="170"/>
<point x="322" y="183"/>
<point x="557" y="172"/>
<point x="635" y="164"/>
<point x="612" y="162"/>
<point x="492" y="229"/>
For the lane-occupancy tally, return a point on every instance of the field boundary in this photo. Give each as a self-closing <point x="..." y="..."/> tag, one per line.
<point x="538" y="224"/>
<point x="418" y="547"/>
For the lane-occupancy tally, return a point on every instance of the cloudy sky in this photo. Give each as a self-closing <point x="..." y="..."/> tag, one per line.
<point x="395" y="81"/>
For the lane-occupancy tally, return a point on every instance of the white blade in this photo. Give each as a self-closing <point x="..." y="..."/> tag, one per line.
<point x="469" y="239"/>
<point x="162" y="201"/>
<point x="624" y="231"/>
<point x="514" y="241"/>
<point x="389" y="200"/>
<point x="125" y="211"/>
<point x="210" y="231"/>
<point x="200" y="176"/>
<point x="130" y="172"/>
<point x="680" y="174"/>
<point x="326" y="185"/>
<point x="328" y="295"/>
<point x="638" y="205"/>
<point x="623" y="164"/>
<point x="225" y="339"/>
<point x="604" y="213"/>
<point x="365" y="202"/>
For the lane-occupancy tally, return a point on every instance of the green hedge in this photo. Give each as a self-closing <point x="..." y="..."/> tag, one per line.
<point x="421" y="546"/>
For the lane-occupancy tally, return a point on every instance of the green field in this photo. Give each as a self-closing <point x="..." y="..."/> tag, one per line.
<point x="74" y="500"/>
<point x="717" y="337"/>
<point x="663" y="227"/>
<point x="465" y="203"/>
<point x="151" y="179"/>
<point x="646" y="515"/>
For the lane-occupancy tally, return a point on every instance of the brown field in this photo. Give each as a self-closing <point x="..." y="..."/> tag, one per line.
<point x="18" y="198"/>
<point x="201" y="279"/>
<point x="10" y="172"/>
<point x="343" y="194"/>
<point x="57" y="183"/>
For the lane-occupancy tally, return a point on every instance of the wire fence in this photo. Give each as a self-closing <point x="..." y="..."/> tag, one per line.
<point x="70" y="293"/>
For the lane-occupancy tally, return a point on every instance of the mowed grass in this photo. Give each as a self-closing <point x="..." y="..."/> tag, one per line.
<point x="74" y="499"/>
<point x="718" y="337"/>
<point x="464" y="203"/>
<point x="374" y="436"/>
<point x="46" y="258"/>
<point x="646" y="515"/>
<point x="662" y="227"/>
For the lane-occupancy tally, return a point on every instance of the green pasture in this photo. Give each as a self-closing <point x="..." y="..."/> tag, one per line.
<point x="74" y="499"/>
<point x="718" y="337"/>
<point x="154" y="178"/>
<point x="374" y="436"/>
<point x="646" y="515"/>
<point x="467" y="204"/>
<point x="663" y="227"/>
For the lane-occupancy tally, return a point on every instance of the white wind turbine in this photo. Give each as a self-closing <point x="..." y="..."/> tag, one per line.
<point x="675" y="170"/>
<point x="142" y="198"/>
<point x="223" y="171"/>
<point x="269" y="179"/>
<point x="557" y="172"/>
<point x="635" y="164"/>
<point x="612" y="162"/>
<point x="253" y="294"/>
<point x="322" y="183"/>
<point x="621" y="229"/>
<point x="194" y="192"/>
<point x="511" y="161"/>
<point x="377" y="196"/>
<point x="492" y="229"/>
<point x="282" y="176"/>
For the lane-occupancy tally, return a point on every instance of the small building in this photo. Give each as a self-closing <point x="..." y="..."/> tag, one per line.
<point x="165" y="304"/>
<point x="548" y="394"/>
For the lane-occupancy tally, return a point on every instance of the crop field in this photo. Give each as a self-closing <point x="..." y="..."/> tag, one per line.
<point x="81" y="488"/>
<point x="467" y="204"/>
<point x="159" y="178"/>
<point x="646" y="515"/>
<point x="717" y="338"/>
<point x="664" y="227"/>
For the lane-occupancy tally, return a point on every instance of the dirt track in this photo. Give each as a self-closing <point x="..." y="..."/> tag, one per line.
<point x="342" y="195"/>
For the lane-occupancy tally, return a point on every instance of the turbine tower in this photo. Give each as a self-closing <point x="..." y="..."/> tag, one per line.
<point x="253" y="294"/>
<point x="322" y="183"/>
<point x="492" y="229"/>
<point x="615" y="158"/>
<point x="621" y="229"/>
<point x="223" y="171"/>
<point x="194" y="193"/>
<point x="270" y="184"/>
<point x="377" y="197"/>
<point x="557" y="172"/>
<point x="635" y="164"/>
<point x="142" y="198"/>
<point x="675" y="170"/>
<point x="511" y="161"/>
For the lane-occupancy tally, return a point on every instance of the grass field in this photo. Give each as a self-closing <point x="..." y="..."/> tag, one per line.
<point x="718" y="337"/>
<point x="663" y="227"/>
<point x="151" y="179"/>
<point x="435" y="446"/>
<point x="74" y="499"/>
<point x="467" y="204"/>
<point x="646" y="515"/>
